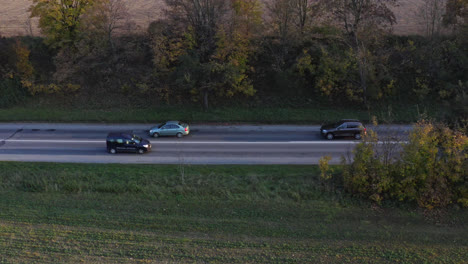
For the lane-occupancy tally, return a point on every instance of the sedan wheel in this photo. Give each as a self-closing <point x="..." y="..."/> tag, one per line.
<point x="112" y="151"/>
<point x="141" y="151"/>
<point x="330" y="136"/>
<point x="179" y="135"/>
<point x="155" y="135"/>
<point x="357" y="136"/>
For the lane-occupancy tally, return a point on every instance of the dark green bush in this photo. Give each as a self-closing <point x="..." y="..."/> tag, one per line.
<point x="12" y="92"/>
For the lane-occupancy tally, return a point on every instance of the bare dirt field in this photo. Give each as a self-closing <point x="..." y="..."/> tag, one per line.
<point x="14" y="16"/>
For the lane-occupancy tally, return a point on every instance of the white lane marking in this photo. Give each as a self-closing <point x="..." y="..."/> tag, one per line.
<point x="202" y="142"/>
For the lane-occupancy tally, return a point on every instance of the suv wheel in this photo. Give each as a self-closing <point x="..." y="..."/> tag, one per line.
<point x="330" y="136"/>
<point x="155" y="135"/>
<point x="112" y="151"/>
<point x="141" y="151"/>
<point x="357" y="136"/>
<point x="179" y="135"/>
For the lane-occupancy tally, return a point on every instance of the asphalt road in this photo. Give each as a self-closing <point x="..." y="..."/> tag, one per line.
<point x="207" y="144"/>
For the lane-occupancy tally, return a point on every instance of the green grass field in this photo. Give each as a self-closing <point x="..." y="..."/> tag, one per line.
<point x="276" y="115"/>
<point x="72" y="213"/>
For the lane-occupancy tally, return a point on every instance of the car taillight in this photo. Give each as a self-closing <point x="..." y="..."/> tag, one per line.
<point x="186" y="129"/>
<point x="365" y="130"/>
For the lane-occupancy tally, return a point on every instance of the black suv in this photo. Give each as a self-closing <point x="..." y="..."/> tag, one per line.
<point x="344" y="128"/>
<point x="125" y="142"/>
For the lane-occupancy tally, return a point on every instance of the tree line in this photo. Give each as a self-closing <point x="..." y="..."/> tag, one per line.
<point x="207" y="51"/>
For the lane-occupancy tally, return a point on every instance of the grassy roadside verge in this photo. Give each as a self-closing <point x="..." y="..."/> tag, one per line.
<point x="277" y="115"/>
<point x="70" y="213"/>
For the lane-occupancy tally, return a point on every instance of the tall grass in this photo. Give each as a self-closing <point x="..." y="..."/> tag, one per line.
<point x="159" y="182"/>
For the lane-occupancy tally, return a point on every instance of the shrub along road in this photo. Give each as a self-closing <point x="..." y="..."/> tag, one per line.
<point x="207" y="144"/>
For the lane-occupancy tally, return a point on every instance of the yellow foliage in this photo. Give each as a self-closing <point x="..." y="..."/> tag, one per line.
<point x="325" y="170"/>
<point x="24" y="68"/>
<point x="72" y="88"/>
<point x="26" y="83"/>
<point x="194" y="91"/>
<point x="436" y="156"/>
<point x="60" y="20"/>
<point x="53" y="89"/>
<point x="23" y="65"/>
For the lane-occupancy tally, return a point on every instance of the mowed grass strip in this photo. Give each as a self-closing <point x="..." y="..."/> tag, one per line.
<point x="69" y="213"/>
<point x="267" y="115"/>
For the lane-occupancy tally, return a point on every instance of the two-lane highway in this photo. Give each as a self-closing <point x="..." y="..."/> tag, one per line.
<point x="247" y="144"/>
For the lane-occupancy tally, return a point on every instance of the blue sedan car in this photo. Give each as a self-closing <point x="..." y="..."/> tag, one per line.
<point x="170" y="128"/>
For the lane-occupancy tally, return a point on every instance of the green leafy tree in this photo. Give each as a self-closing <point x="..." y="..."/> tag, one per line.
<point x="225" y="75"/>
<point x="24" y="68"/>
<point x="203" y="18"/>
<point x="247" y="19"/>
<point x="169" y="43"/>
<point x="364" y="22"/>
<point x="456" y="15"/>
<point x="16" y="72"/>
<point x="235" y="46"/>
<point x="200" y="21"/>
<point x="217" y="41"/>
<point x="431" y="169"/>
<point x="23" y="64"/>
<point x="332" y="72"/>
<point x="326" y="172"/>
<point x="369" y="173"/>
<point x="434" y="169"/>
<point x="335" y="76"/>
<point x="60" y="20"/>
<point x="290" y="33"/>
